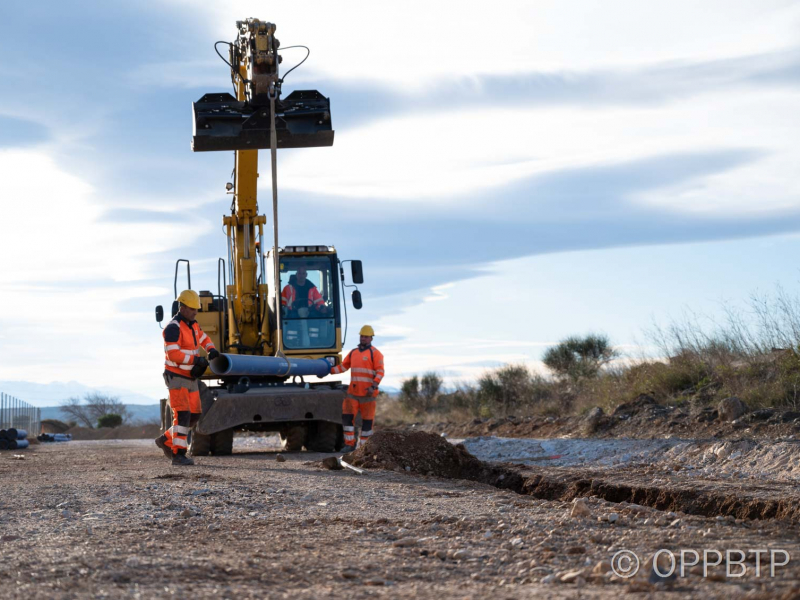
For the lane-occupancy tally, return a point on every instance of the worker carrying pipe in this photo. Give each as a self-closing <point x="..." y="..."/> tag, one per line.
<point x="182" y="367"/>
<point x="366" y="372"/>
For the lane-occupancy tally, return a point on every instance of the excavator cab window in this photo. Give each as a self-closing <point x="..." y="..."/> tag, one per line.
<point x="307" y="302"/>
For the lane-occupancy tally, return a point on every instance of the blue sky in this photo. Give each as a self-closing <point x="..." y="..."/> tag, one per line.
<point x="509" y="175"/>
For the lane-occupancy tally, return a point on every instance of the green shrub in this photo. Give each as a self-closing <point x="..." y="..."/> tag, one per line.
<point x="420" y="395"/>
<point x="578" y="358"/>
<point x="509" y="388"/>
<point x="110" y="420"/>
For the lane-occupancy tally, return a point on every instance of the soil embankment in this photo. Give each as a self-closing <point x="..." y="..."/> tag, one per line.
<point x="642" y="418"/>
<point x="674" y="485"/>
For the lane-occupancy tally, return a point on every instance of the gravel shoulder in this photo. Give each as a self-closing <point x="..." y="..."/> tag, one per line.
<point x="89" y="519"/>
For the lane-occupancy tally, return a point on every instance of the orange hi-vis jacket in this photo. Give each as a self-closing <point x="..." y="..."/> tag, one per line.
<point x="289" y="295"/>
<point x="182" y="339"/>
<point x="366" y="369"/>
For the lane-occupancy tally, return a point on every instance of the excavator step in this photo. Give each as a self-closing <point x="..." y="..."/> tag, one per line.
<point x="302" y="120"/>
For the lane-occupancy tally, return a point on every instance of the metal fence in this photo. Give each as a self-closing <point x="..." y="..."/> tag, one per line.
<point x="19" y="415"/>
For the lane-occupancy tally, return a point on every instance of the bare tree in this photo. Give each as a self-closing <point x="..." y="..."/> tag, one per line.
<point x="88" y="411"/>
<point x="99" y="405"/>
<point x="77" y="411"/>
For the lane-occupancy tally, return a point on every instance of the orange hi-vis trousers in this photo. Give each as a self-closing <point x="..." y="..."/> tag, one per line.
<point x="184" y="400"/>
<point x="350" y="408"/>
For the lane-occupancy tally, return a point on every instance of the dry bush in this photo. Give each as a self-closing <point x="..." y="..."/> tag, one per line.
<point x="752" y="353"/>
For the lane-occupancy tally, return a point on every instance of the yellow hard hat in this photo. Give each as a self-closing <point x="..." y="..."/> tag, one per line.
<point x="367" y="330"/>
<point x="190" y="299"/>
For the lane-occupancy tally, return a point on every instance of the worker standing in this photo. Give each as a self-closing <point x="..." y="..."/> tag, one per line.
<point x="183" y="366"/>
<point x="366" y="372"/>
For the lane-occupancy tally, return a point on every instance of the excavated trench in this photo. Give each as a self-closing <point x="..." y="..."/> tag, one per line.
<point x="615" y="475"/>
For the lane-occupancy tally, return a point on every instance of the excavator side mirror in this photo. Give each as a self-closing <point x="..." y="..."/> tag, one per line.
<point x="159" y="313"/>
<point x="356" y="271"/>
<point x="357" y="300"/>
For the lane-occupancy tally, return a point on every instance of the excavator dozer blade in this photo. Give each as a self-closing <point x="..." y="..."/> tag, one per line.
<point x="302" y="120"/>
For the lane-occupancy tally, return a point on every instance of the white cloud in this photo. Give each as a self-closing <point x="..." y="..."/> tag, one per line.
<point x="411" y="43"/>
<point x="52" y="229"/>
<point x="439" y="156"/>
<point x="65" y="274"/>
<point x="438" y="293"/>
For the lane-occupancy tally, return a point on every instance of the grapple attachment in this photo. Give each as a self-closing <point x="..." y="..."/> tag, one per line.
<point x="302" y="120"/>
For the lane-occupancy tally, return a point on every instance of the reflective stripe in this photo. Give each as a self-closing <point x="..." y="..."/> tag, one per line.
<point x="172" y="347"/>
<point x="360" y="370"/>
<point x="190" y="352"/>
<point x="185" y="367"/>
<point x="366" y="433"/>
<point x="169" y="363"/>
<point x="363" y="379"/>
<point x="204" y="336"/>
<point x="349" y="428"/>
<point x="187" y="358"/>
<point x="180" y="429"/>
<point x="379" y="371"/>
<point x="337" y="369"/>
<point x="179" y="442"/>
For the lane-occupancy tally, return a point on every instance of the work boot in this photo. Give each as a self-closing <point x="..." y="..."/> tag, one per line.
<point x="182" y="460"/>
<point x="161" y="442"/>
<point x="348" y="449"/>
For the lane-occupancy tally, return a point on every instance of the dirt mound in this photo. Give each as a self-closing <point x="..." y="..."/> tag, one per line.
<point x="642" y="403"/>
<point x="429" y="454"/>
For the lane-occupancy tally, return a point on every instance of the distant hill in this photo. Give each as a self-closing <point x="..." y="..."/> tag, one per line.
<point x="53" y="394"/>
<point x="139" y="413"/>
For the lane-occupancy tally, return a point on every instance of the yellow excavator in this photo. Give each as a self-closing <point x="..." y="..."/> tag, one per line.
<point x="274" y="343"/>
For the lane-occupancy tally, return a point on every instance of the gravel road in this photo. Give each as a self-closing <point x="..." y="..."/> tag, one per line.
<point x="113" y="519"/>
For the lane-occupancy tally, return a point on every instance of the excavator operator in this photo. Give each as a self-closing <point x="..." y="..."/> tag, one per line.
<point x="366" y="372"/>
<point x="300" y="295"/>
<point x="183" y="366"/>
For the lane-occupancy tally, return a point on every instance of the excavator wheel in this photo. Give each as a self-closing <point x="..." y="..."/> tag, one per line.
<point x="166" y="415"/>
<point x="293" y="438"/>
<point x="323" y="437"/>
<point x="199" y="444"/>
<point x="222" y="443"/>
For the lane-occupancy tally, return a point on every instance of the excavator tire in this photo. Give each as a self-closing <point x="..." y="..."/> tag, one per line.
<point x="222" y="443"/>
<point x="166" y="415"/>
<point x="323" y="437"/>
<point x="199" y="444"/>
<point x="293" y="438"/>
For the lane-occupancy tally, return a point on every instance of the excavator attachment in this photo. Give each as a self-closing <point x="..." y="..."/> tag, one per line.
<point x="302" y="120"/>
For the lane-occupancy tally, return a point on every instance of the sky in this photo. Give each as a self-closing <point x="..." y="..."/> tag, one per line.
<point x="510" y="174"/>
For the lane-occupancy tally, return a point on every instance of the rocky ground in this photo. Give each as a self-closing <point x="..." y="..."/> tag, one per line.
<point x="114" y="519"/>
